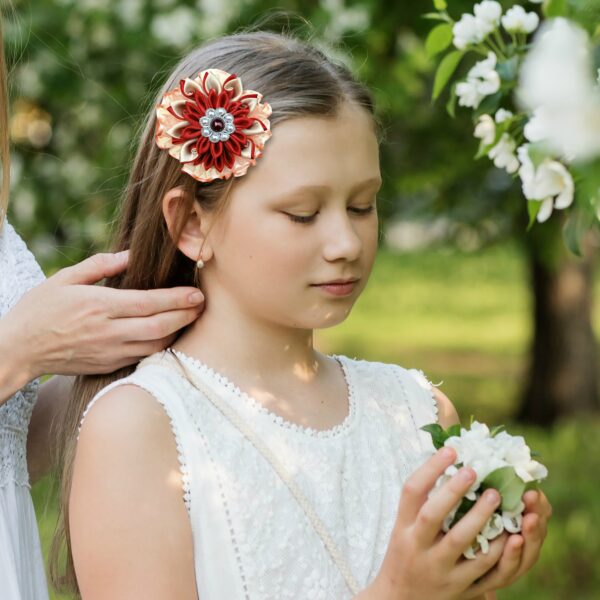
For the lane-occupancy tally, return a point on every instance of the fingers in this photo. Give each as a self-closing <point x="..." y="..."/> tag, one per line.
<point x="471" y="570"/>
<point x="155" y="327"/>
<point x="456" y="541"/>
<point x="432" y="514"/>
<point x="504" y="572"/>
<point x="93" y="269"/>
<point x="143" y="303"/>
<point x="533" y="532"/>
<point x="418" y="485"/>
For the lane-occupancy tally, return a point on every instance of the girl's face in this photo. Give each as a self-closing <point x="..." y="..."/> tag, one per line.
<point x="304" y="216"/>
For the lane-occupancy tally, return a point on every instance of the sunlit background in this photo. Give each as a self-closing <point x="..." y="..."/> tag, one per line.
<point x="458" y="280"/>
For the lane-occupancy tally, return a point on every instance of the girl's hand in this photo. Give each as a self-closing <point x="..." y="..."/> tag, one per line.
<point x="421" y="561"/>
<point x="67" y="326"/>
<point x="522" y="550"/>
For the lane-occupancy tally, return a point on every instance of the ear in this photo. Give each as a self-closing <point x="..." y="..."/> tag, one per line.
<point x="192" y="241"/>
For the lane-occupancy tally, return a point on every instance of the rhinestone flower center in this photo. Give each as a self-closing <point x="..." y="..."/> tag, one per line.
<point x="217" y="125"/>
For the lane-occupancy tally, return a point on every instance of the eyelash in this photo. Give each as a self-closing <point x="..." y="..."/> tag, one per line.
<point x="361" y="212"/>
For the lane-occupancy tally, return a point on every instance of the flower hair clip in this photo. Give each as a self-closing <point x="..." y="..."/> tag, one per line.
<point x="214" y="127"/>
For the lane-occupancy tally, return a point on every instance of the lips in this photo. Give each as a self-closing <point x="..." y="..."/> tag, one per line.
<point x="339" y="281"/>
<point x="338" y="287"/>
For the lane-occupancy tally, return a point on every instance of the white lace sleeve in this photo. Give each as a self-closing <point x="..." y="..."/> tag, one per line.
<point x="423" y="406"/>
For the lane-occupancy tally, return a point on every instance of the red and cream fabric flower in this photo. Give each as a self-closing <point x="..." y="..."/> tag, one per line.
<point x="214" y="127"/>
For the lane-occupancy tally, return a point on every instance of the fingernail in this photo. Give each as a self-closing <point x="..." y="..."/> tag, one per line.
<point x="467" y="474"/>
<point x="122" y="254"/>
<point x="196" y="298"/>
<point x="447" y="452"/>
<point x="492" y="497"/>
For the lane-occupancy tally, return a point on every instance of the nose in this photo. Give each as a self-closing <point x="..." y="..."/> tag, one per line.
<point x="341" y="239"/>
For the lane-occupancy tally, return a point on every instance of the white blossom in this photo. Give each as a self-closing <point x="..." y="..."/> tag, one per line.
<point x="176" y="28"/>
<point x="482" y="80"/>
<point x="485" y="129"/>
<point x="550" y="183"/>
<point x="503" y="115"/>
<point x="489" y="12"/>
<point x="472" y="29"/>
<point x="557" y="78"/>
<point x="503" y="154"/>
<point x="468" y="30"/>
<point x="539" y="126"/>
<point x="516" y="20"/>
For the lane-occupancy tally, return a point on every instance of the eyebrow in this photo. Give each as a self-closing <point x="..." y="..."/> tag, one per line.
<point x="320" y="189"/>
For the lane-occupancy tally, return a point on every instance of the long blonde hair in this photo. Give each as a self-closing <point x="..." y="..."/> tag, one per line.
<point x="296" y="79"/>
<point x="4" y="136"/>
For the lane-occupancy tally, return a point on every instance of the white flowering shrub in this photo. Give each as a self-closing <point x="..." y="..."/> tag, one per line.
<point x="500" y="461"/>
<point x="535" y="102"/>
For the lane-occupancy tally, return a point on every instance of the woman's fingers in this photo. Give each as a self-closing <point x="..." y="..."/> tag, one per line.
<point x="431" y="516"/>
<point x="505" y="570"/>
<point x="155" y="327"/>
<point x="462" y="534"/>
<point x="93" y="269"/>
<point x="144" y="303"/>
<point x="417" y="486"/>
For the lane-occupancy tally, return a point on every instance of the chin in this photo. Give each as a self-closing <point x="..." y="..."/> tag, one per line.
<point x="329" y="318"/>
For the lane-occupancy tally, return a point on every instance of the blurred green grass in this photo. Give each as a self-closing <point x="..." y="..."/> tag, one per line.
<point x="464" y="319"/>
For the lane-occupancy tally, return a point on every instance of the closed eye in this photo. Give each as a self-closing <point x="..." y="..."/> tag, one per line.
<point x="362" y="211"/>
<point x="302" y="218"/>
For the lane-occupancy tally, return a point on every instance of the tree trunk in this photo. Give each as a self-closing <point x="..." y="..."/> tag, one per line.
<point x="562" y="378"/>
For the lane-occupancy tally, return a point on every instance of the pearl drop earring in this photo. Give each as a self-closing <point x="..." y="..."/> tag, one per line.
<point x="200" y="263"/>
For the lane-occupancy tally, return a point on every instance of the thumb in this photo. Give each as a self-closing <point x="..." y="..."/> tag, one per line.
<point x="93" y="269"/>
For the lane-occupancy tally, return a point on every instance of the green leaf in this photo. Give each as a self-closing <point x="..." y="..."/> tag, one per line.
<point x="438" y="435"/>
<point x="445" y="71"/>
<point x="439" y="38"/>
<point x="533" y="208"/>
<point x="497" y="430"/>
<point x="440" y="4"/>
<point x="435" y="17"/>
<point x="453" y="430"/>
<point x="451" y="104"/>
<point x="578" y="223"/>
<point x="489" y="104"/>
<point x="508" y="483"/>
<point x="555" y="8"/>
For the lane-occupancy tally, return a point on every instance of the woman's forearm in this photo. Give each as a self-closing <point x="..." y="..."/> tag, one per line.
<point x="15" y="369"/>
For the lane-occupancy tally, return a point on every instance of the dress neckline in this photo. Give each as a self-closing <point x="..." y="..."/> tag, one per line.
<point x="255" y="405"/>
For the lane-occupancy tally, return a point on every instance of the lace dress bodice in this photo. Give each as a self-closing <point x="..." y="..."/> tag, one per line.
<point x="251" y="538"/>
<point x="19" y="272"/>
<point x="21" y="563"/>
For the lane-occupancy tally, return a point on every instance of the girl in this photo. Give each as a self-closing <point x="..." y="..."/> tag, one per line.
<point x="243" y="463"/>
<point x="63" y="326"/>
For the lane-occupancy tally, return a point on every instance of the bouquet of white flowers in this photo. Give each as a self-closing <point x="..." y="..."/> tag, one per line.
<point x="500" y="461"/>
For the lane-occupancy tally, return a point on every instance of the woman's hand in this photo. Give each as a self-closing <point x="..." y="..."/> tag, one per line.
<point x="67" y="326"/>
<point x="422" y="562"/>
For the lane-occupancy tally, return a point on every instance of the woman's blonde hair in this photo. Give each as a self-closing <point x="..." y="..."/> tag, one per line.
<point x="4" y="136"/>
<point x="296" y="79"/>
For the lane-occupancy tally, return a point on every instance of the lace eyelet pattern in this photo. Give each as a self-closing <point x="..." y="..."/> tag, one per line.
<point x="19" y="272"/>
<point x="333" y="432"/>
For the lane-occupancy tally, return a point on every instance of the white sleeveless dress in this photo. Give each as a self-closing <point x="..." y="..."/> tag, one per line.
<point x="22" y="574"/>
<point x="252" y="541"/>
